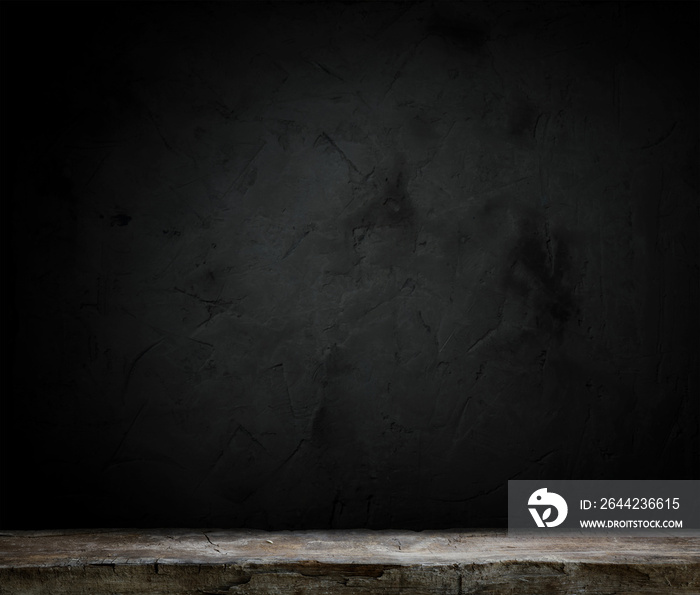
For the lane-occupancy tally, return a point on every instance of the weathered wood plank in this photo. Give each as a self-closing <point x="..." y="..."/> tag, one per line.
<point x="320" y="562"/>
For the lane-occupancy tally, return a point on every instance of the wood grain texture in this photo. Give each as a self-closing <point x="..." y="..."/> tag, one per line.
<point x="362" y="561"/>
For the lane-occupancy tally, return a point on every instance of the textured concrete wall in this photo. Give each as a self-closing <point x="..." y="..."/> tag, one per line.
<point x="338" y="265"/>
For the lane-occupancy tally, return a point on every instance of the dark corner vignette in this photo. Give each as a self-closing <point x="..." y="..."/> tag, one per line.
<point x="5" y="277"/>
<point x="13" y="443"/>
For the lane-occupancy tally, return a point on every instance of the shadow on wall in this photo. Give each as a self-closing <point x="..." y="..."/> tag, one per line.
<point x="339" y="265"/>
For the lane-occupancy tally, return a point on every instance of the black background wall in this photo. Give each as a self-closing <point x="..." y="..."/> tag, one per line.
<point x="306" y="265"/>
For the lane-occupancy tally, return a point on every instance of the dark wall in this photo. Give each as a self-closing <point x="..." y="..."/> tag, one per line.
<point x="287" y="265"/>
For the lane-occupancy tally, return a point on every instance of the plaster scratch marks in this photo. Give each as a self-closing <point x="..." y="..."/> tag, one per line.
<point x="324" y="138"/>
